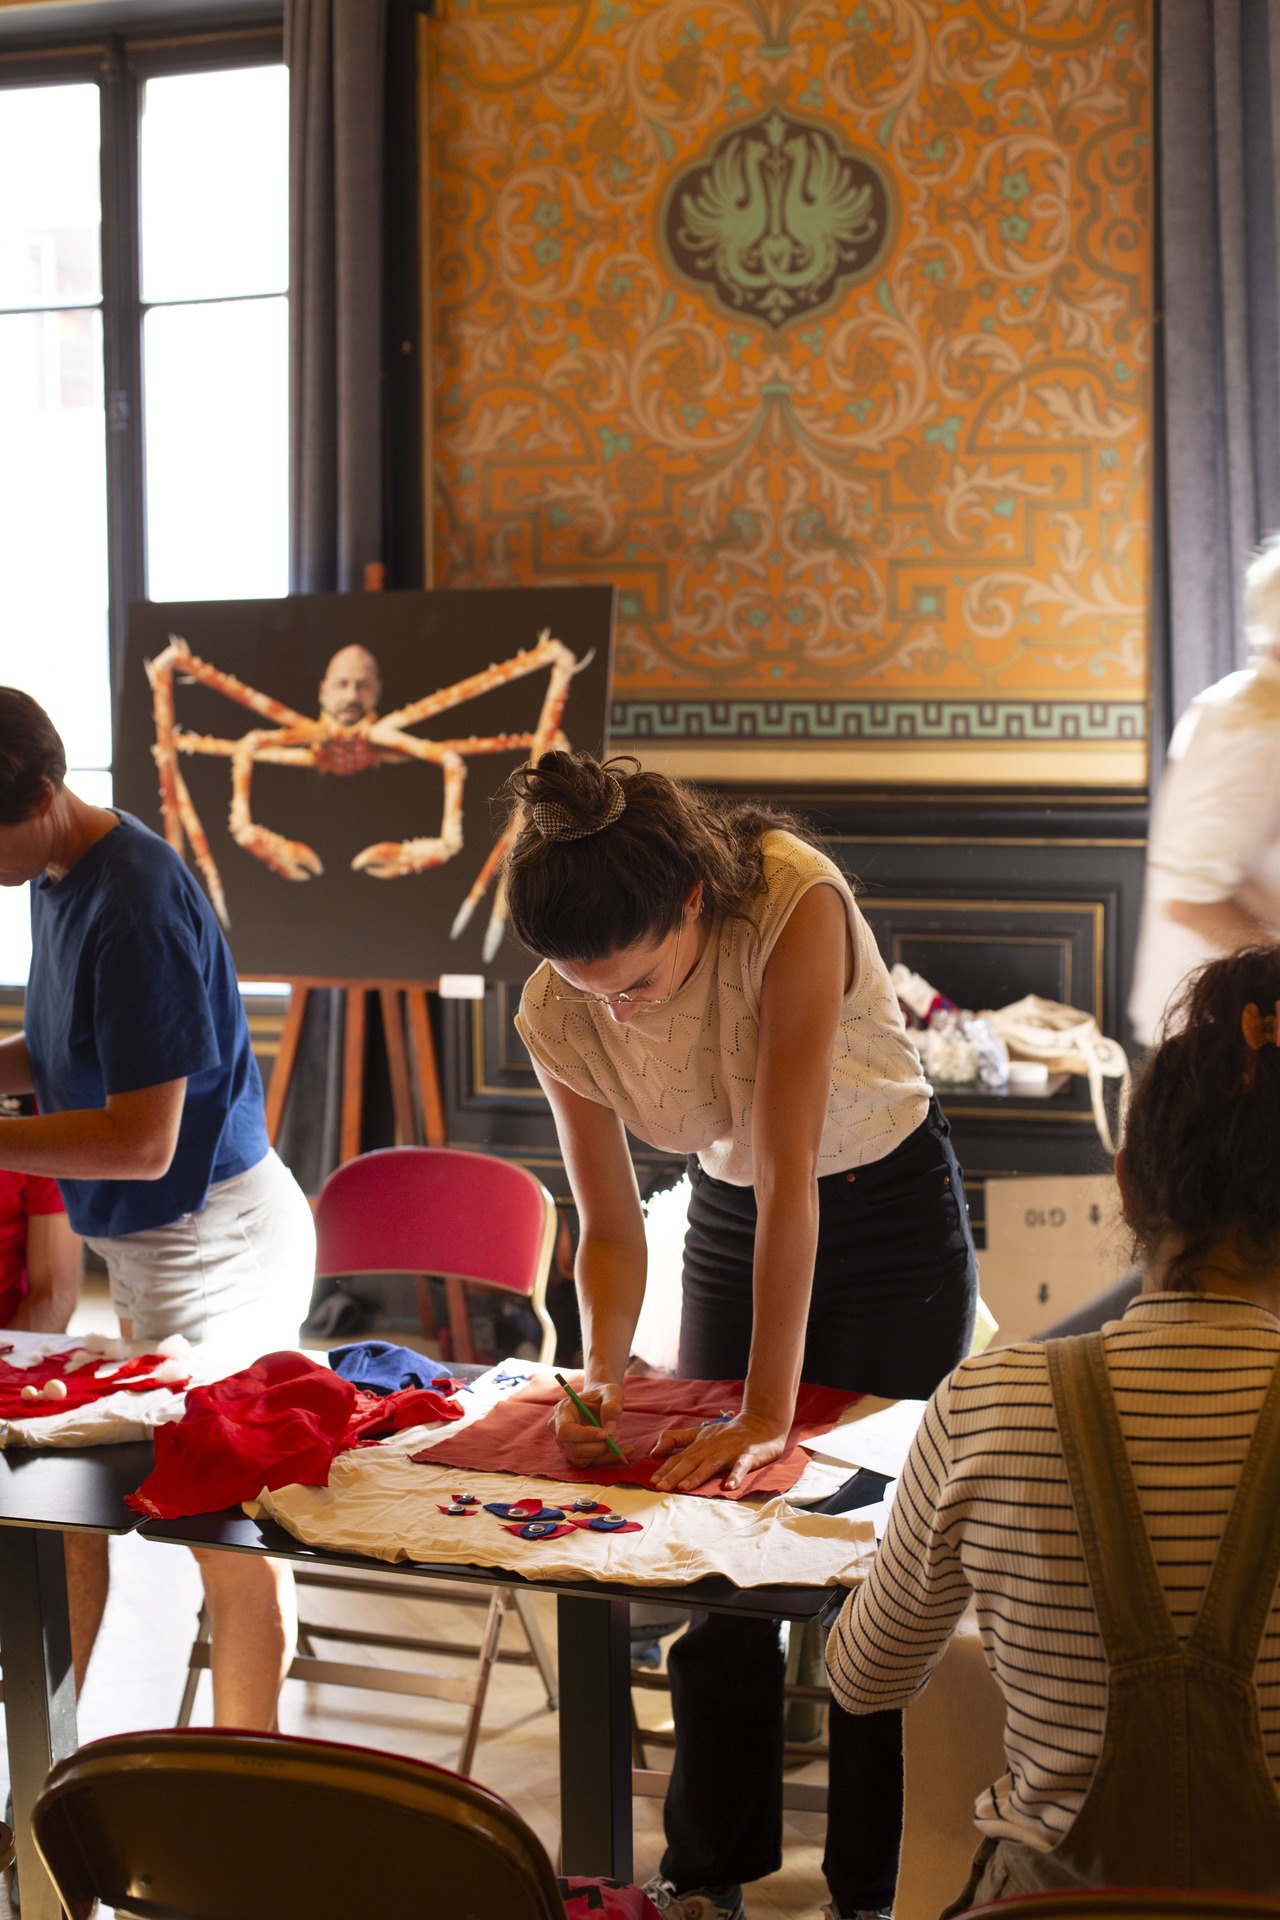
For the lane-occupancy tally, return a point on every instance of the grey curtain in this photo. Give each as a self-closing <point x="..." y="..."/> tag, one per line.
<point x="336" y="53"/>
<point x="1219" y="68"/>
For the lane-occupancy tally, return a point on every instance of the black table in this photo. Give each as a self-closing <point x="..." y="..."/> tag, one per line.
<point x="594" y="1664"/>
<point x="44" y="1493"/>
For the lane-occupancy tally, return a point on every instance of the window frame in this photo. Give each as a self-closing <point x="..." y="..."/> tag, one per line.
<point x="121" y="63"/>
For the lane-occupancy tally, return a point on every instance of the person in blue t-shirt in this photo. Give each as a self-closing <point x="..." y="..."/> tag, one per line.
<point x="151" y="1120"/>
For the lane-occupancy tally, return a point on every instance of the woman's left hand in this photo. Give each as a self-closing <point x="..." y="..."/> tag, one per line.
<point x="734" y="1448"/>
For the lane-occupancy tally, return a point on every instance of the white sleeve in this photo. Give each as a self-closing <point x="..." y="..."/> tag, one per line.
<point x="1220" y="805"/>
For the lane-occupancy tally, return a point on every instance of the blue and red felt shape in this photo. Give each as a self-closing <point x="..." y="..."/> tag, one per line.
<point x="607" y="1523"/>
<point x="523" y="1510"/>
<point x="541" y="1529"/>
<point x="460" y="1510"/>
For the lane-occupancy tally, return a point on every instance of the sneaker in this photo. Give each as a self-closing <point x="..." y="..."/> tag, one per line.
<point x="700" y="1903"/>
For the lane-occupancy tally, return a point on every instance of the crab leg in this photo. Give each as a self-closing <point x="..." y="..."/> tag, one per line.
<point x="500" y="743"/>
<point x="548" y="653"/>
<point x="291" y="859"/>
<point x="200" y="848"/>
<point x="546" y="731"/>
<point x="390" y="859"/>
<point x="178" y="658"/>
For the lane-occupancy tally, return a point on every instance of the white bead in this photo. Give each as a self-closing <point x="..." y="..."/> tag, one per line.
<point x="55" y="1389"/>
<point x="30" y="1393"/>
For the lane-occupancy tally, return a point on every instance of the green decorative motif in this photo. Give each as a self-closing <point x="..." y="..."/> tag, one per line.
<point x="778" y="219"/>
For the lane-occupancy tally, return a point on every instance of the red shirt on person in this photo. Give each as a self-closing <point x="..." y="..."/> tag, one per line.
<point x="21" y="1196"/>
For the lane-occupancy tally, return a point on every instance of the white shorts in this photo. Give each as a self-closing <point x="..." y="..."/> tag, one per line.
<point x="237" y="1274"/>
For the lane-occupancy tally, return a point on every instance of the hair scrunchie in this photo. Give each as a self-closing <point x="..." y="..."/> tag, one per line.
<point x="555" y="822"/>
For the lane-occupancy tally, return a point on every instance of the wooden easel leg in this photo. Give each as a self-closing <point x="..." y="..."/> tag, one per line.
<point x="353" y="1074"/>
<point x="286" y="1059"/>
<point x="398" y="1064"/>
<point x="425" y="1059"/>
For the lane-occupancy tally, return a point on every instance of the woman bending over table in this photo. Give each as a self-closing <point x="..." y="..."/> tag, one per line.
<point x="709" y="983"/>
<point x="1110" y="1501"/>
<point x="136" y="1045"/>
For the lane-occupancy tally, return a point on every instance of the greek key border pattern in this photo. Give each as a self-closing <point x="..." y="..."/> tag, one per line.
<point x="889" y="721"/>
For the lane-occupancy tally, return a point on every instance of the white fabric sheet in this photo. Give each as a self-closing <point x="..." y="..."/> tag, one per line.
<point x="379" y="1504"/>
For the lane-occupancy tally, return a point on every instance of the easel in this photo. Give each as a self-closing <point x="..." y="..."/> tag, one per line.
<point x="411" y="1059"/>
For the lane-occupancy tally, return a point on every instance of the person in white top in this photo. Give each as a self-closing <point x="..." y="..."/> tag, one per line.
<point x="709" y="983"/>
<point x="1213" y="860"/>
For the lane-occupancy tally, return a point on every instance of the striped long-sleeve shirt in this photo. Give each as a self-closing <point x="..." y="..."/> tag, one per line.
<point x="984" y="1510"/>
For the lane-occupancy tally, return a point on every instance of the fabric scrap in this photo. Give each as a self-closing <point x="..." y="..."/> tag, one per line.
<point x="81" y="1382"/>
<point x="282" y="1420"/>
<point x="278" y="1423"/>
<point x="513" y="1437"/>
<point x="379" y="1367"/>
<point x="605" y="1900"/>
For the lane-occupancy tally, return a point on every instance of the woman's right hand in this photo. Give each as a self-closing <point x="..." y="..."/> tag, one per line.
<point x="581" y="1444"/>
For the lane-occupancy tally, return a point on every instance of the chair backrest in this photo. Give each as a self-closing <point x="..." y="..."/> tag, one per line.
<point x="436" y="1210"/>
<point x="251" y="1826"/>
<point x="1128" y="1903"/>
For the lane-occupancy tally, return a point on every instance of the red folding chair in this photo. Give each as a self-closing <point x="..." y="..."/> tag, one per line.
<point x="469" y="1217"/>
<point x="477" y="1221"/>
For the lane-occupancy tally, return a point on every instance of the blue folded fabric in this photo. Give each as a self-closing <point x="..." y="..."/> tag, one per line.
<point x="378" y="1367"/>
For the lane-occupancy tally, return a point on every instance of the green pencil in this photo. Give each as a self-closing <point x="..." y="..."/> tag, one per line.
<point x="592" y="1419"/>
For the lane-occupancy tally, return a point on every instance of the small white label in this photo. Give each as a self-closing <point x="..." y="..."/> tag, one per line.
<point x="461" y="986"/>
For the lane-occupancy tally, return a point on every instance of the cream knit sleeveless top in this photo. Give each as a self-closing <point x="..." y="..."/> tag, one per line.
<point x="682" y="1077"/>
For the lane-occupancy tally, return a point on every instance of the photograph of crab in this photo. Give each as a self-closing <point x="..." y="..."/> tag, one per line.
<point x="328" y="765"/>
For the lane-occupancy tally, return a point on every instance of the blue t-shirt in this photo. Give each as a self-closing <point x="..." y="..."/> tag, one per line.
<point x="132" y="985"/>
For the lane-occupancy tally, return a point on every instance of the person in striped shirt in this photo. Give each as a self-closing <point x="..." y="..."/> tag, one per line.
<point x="1078" y="1493"/>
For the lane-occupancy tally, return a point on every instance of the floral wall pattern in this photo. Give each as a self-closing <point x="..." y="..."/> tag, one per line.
<point x="822" y="330"/>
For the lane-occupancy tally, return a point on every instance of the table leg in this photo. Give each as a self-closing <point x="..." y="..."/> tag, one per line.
<point x="595" y="1736"/>
<point x="39" y="1688"/>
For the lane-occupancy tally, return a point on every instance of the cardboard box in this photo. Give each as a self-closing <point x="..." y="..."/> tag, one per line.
<point x="1053" y="1245"/>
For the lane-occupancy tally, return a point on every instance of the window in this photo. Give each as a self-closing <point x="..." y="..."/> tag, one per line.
<point x="143" y="367"/>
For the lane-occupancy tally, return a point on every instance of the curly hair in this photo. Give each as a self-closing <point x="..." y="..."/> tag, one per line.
<point x="1204" y="1122"/>
<point x="608" y="875"/>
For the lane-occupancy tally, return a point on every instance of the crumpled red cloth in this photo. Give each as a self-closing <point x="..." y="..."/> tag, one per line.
<point x="514" y="1436"/>
<point x="129" y="1376"/>
<point x="611" y="1899"/>
<point x="279" y="1423"/>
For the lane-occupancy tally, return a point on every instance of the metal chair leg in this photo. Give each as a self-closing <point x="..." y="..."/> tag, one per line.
<point x="193" y="1671"/>
<point x="537" y="1647"/>
<point x="498" y="1607"/>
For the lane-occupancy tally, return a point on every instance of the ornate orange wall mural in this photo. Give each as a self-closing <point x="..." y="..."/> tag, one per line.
<point x="822" y="330"/>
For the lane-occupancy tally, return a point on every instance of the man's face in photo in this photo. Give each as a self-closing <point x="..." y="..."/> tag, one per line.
<point x="351" y="687"/>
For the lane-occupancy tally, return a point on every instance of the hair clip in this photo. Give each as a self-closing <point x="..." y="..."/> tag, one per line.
<point x="1259" y="1030"/>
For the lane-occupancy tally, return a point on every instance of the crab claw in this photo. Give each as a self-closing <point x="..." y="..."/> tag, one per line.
<point x="391" y="859"/>
<point x="291" y="859"/>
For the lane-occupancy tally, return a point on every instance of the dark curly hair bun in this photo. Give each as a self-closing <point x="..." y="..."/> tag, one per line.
<point x="606" y="854"/>
<point x="1203" y="1128"/>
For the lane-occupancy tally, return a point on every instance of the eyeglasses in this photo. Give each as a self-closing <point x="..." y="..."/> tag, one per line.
<point x="625" y="999"/>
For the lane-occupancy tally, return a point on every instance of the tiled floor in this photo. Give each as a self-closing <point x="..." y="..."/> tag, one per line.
<point x="138" y="1669"/>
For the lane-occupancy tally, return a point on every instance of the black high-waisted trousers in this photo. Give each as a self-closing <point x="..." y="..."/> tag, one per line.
<point x="894" y="1292"/>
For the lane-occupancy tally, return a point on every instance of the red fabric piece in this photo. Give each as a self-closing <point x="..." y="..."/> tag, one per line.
<point x="514" y="1436"/>
<point x="21" y="1196"/>
<point x="133" y="1376"/>
<point x="377" y="1414"/>
<point x="279" y="1423"/>
<point x="605" y="1900"/>
<point x="275" y="1424"/>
